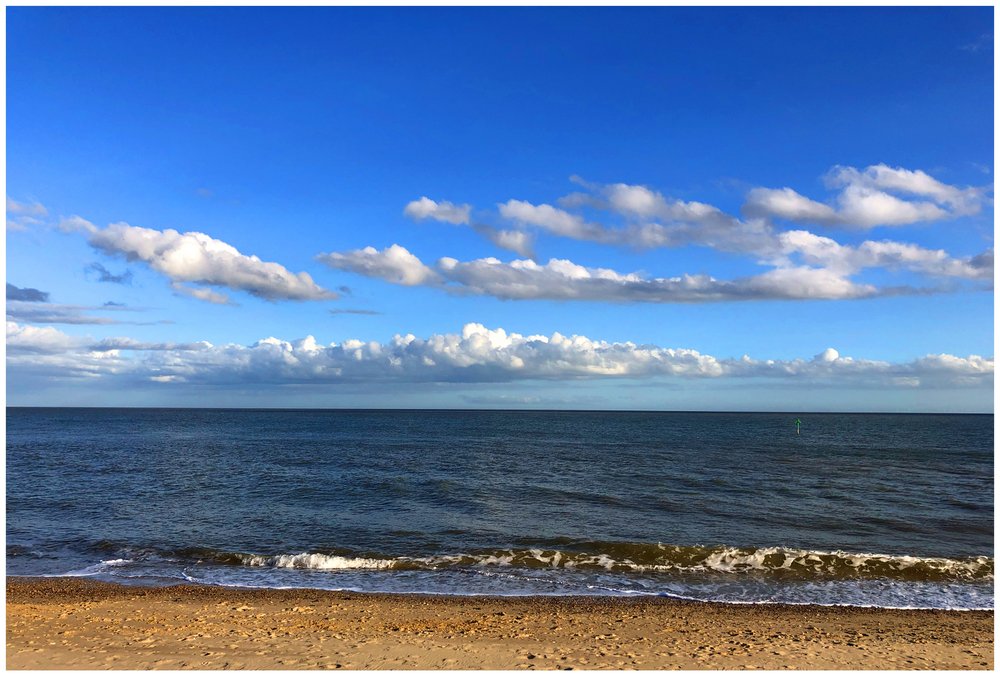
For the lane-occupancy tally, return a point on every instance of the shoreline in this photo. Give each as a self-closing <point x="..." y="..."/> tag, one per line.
<point x="459" y="597"/>
<point x="65" y="622"/>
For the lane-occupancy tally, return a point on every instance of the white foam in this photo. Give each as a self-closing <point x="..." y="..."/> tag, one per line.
<point x="310" y="560"/>
<point x="724" y="560"/>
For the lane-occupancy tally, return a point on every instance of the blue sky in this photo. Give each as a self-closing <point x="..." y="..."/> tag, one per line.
<point x="822" y="175"/>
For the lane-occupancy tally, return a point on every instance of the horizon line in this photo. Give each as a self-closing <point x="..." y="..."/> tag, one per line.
<point x="516" y="410"/>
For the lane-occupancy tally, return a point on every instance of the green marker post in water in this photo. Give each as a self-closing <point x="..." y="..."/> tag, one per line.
<point x="798" y="422"/>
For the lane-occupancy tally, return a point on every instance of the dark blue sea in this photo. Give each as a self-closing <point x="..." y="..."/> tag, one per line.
<point x="872" y="510"/>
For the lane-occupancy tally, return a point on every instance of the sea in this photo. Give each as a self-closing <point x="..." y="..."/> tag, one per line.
<point x="872" y="510"/>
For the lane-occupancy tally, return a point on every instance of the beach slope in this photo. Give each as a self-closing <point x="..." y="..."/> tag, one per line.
<point x="77" y="623"/>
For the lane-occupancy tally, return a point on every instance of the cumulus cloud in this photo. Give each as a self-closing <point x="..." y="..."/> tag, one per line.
<point x="30" y="339"/>
<point x="186" y="259"/>
<point x="962" y="201"/>
<point x="785" y="203"/>
<point x="654" y="220"/>
<point x="426" y="208"/>
<point x="845" y="259"/>
<point x="48" y="352"/>
<point x="26" y="294"/>
<point x="561" y="279"/>
<point x="803" y="265"/>
<point x="552" y="219"/>
<point x="512" y="240"/>
<point x="858" y="206"/>
<point x="393" y="264"/>
<point x="516" y="241"/>
<point x="651" y="221"/>
<point x="476" y="355"/>
<point x="878" y="195"/>
<point x="199" y="259"/>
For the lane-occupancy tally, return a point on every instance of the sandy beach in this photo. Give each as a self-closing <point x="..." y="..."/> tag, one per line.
<point x="78" y="623"/>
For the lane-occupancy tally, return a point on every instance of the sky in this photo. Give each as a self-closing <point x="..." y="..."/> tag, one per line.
<point x="763" y="209"/>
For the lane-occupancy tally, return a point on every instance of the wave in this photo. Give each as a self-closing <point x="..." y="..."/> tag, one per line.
<point x="308" y="560"/>
<point x="781" y="562"/>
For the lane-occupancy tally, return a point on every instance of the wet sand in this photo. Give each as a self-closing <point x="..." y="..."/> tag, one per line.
<point x="78" y="623"/>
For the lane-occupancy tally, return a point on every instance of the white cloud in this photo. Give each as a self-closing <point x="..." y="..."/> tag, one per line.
<point x="644" y="203"/>
<point x="426" y="208"/>
<point x="199" y="259"/>
<point x="865" y="207"/>
<point x="888" y="254"/>
<point x="202" y="294"/>
<point x="476" y="355"/>
<point x="785" y="203"/>
<point x="878" y="195"/>
<point x="552" y="219"/>
<point x="804" y="265"/>
<point x="846" y="259"/>
<point x="22" y="215"/>
<point x="803" y="282"/>
<point x="52" y="354"/>
<point x="962" y="201"/>
<point x="828" y="355"/>
<point x="858" y="206"/>
<point x="192" y="258"/>
<point x="652" y="221"/>
<point x="23" y="338"/>
<point x="512" y="240"/>
<point x="561" y="279"/>
<point x="76" y="224"/>
<point x="636" y="200"/>
<point x="516" y="241"/>
<point x="393" y="264"/>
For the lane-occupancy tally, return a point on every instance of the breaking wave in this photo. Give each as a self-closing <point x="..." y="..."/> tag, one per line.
<point x="308" y="560"/>
<point x="649" y="558"/>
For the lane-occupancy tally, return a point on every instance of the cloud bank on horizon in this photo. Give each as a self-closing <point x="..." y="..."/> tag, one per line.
<point x="476" y="355"/>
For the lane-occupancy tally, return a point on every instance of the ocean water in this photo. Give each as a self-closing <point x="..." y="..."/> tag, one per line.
<point x="872" y="510"/>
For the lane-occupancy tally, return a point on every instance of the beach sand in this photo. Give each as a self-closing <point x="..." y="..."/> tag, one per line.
<point x="77" y="623"/>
